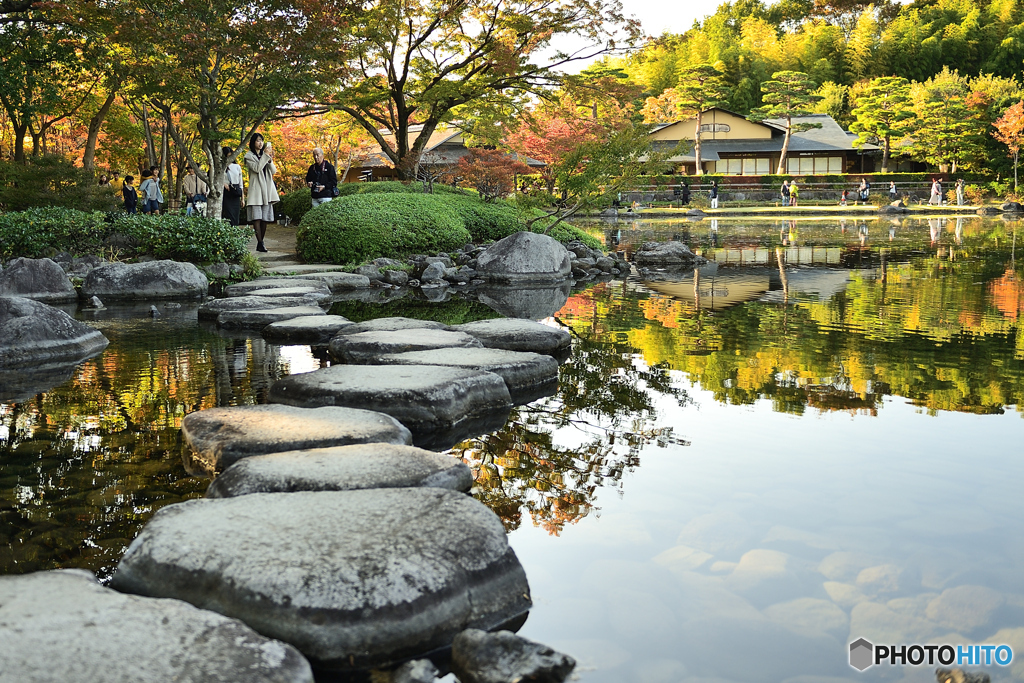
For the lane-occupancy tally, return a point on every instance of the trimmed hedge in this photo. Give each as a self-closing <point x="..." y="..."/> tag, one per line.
<point x="295" y="205"/>
<point x="360" y="227"/>
<point x="46" y="231"/>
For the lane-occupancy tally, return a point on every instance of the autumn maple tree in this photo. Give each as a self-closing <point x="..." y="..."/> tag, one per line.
<point x="490" y="172"/>
<point x="232" y="67"/>
<point x="1010" y="131"/>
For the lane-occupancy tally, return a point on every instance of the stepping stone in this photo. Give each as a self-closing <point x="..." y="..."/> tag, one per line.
<point x="343" y="468"/>
<point x="337" y="281"/>
<point x="513" y="334"/>
<point x="528" y="376"/>
<point x="297" y="269"/>
<point x="211" y="309"/>
<point x="392" y="324"/>
<point x="219" y="437"/>
<point x="439" y="405"/>
<point x="315" y="330"/>
<point x="366" y="347"/>
<point x="319" y="294"/>
<point x="259" y="318"/>
<point x="353" y="579"/>
<point x="64" y="626"/>
<point x="244" y="288"/>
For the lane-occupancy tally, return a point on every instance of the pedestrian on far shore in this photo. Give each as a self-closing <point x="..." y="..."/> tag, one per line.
<point x="864" y="189"/>
<point x="784" y="191"/>
<point x="131" y="197"/>
<point x="321" y="179"/>
<point x="155" y="194"/>
<point x="195" y="191"/>
<point x="145" y="190"/>
<point x="936" y="195"/>
<point x="959" y="191"/>
<point x="713" y="194"/>
<point x="894" y="194"/>
<point x="794" y="194"/>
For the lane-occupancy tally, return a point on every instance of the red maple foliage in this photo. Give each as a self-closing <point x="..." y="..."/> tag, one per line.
<point x="491" y="172"/>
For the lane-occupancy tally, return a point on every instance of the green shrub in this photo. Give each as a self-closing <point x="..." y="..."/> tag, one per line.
<point x="485" y="221"/>
<point x="42" y="232"/>
<point x="359" y="227"/>
<point x="181" y="238"/>
<point x="395" y="186"/>
<point x="563" y="232"/>
<point x="295" y="205"/>
<point x="50" y="181"/>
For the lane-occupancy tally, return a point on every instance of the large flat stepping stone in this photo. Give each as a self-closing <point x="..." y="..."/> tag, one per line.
<point x="145" y="281"/>
<point x="367" y="347"/>
<point x="337" y="280"/>
<point x="528" y="376"/>
<point x="318" y="294"/>
<point x="315" y="330"/>
<point x="353" y="579"/>
<point x="513" y="334"/>
<point x="393" y="324"/>
<point x="33" y="334"/>
<point x="245" y="288"/>
<point x="344" y="468"/>
<point x="439" y="405"/>
<point x="211" y="309"/>
<point x="40" y="279"/>
<point x="64" y="626"/>
<point x="257" y="319"/>
<point x="219" y="437"/>
<point x="295" y="269"/>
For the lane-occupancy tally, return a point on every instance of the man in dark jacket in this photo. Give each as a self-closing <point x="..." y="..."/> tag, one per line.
<point x="321" y="179"/>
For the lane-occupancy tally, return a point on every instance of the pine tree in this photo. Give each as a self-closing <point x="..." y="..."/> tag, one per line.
<point x="700" y="88"/>
<point x="788" y="95"/>
<point x="884" y="113"/>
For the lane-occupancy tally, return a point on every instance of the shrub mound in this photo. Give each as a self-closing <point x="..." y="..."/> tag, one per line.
<point x="359" y="227"/>
<point x="366" y="221"/>
<point x="52" y="180"/>
<point x="46" y="231"/>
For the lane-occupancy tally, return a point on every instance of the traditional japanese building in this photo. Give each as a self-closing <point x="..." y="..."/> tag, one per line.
<point x="734" y="145"/>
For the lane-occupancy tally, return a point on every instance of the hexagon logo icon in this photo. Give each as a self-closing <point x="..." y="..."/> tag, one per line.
<point x="861" y="654"/>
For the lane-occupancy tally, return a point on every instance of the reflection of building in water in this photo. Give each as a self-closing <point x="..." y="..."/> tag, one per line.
<point x="246" y="367"/>
<point x="714" y="288"/>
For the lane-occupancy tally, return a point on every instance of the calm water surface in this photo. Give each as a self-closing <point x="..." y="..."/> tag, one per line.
<point x="814" y="438"/>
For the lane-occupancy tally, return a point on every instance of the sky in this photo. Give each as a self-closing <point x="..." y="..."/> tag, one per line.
<point x="658" y="16"/>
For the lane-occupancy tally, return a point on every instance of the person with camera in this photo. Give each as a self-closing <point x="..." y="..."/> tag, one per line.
<point x="259" y="202"/>
<point x="321" y="179"/>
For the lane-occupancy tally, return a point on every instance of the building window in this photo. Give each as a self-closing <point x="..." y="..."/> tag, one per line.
<point x="807" y="165"/>
<point x="735" y="166"/>
<point x="764" y="166"/>
<point x="835" y="165"/>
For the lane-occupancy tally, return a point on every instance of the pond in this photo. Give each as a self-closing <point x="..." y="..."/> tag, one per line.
<point x="814" y="438"/>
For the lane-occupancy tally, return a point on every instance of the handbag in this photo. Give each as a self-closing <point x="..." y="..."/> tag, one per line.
<point x="335" y="191"/>
<point x="234" y="190"/>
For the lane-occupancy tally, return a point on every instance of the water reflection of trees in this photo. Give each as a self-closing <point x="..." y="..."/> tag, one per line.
<point x="553" y="456"/>
<point x="941" y="330"/>
<point x="86" y="464"/>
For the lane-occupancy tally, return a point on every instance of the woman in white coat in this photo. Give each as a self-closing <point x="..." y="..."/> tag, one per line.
<point x="259" y="203"/>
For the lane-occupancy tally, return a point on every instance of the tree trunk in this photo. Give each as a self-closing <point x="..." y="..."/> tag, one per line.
<point x="215" y="180"/>
<point x="785" y="147"/>
<point x="148" y="131"/>
<point x="19" y="141"/>
<point x="348" y="167"/>
<point x="1015" y="155"/>
<point x="36" y="140"/>
<point x="698" y="170"/>
<point x="885" y="155"/>
<point x="95" y="125"/>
